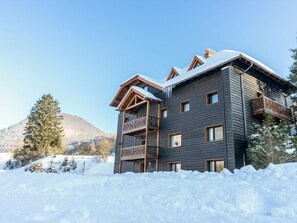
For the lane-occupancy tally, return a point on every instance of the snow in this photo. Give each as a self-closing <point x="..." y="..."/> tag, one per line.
<point x="145" y="93"/>
<point x="214" y="61"/>
<point x="218" y="59"/>
<point x="247" y="195"/>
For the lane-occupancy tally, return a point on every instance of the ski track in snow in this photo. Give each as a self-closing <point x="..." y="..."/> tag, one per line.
<point x="248" y="195"/>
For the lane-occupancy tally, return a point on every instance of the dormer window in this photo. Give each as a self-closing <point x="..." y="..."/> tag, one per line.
<point x="174" y="75"/>
<point x="146" y="87"/>
<point x="197" y="64"/>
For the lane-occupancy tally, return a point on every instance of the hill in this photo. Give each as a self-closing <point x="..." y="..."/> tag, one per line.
<point x="76" y="130"/>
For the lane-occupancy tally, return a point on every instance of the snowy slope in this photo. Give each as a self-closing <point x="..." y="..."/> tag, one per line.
<point x="268" y="195"/>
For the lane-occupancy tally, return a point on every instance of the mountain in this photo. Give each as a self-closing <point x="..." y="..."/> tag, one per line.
<point x="76" y="130"/>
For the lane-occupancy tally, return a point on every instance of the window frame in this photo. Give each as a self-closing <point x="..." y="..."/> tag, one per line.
<point x="162" y="110"/>
<point x="207" y="162"/>
<point x="208" y="96"/>
<point x="206" y="132"/>
<point x="170" y="167"/>
<point x="182" y="104"/>
<point x="169" y="140"/>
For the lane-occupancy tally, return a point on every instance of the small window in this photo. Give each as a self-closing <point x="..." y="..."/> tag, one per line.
<point x="185" y="106"/>
<point x="197" y="64"/>
<point x="175" y="140"/>
<point x="259" y="94"/>
<point x="214" y="133"/>
<point x="174" y="167"/>
<point x="146" y="87"/>
<point x="215" y="165"/>
<point x="174" y="75"/>
<point x="164" y="113"/>
<point x="212" y="97"/>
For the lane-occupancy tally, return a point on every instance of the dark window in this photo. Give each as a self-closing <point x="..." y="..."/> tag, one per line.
<point x="259" y="94"/>
<point x="175" y="140"/>
<point x="185" y="106"/>
<point x="214" y="133"/>
<point x="164" y="113"/>
<point x="197" y="64"/>
<point x="215" y="165"/>
<point x="174" y="167"/>
<point x="146" y="87"/>
<point x="174" y="75"/>
<point x="212" y="97"/>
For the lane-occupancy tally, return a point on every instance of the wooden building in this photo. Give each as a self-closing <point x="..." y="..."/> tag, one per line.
<point x="200" y="117"/>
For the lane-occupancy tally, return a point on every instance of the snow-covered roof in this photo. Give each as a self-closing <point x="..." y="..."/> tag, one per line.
<point x="145" y="94"/>
<point x="216" y="60"/>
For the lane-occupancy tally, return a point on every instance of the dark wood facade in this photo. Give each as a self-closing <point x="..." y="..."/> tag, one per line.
<point x="143" y="137"/>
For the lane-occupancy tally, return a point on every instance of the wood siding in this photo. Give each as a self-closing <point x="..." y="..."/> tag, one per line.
<point x="229" y="111"/>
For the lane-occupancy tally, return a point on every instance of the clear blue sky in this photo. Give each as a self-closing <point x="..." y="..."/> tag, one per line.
<point x="81" y="51"/>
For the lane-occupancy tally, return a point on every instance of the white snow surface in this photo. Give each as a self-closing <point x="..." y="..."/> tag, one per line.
<point x="247" y="195"/>
<point x="146" y="94"/>
<point x="218" y="59"/>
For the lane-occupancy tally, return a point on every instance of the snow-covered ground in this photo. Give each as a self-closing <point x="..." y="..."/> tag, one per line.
<point x="248" y="195"/>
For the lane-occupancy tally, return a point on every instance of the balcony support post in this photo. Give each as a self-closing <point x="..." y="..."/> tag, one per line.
<point x="158" y="137"/>
<point x="146" y="134"/>
<point x="122" y="142"/>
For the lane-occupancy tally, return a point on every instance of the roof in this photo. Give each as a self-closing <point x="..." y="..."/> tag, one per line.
<point x="145" y="94"/>
<point x="135" y="90"/>
<point x="219" y="59"/>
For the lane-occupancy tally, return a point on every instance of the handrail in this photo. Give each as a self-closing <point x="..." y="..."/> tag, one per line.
<point x="266" y="105"/>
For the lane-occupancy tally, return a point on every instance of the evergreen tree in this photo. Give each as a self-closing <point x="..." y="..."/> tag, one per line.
<point x="293" y="79"/>
<point x="43" y="131"/>
<point x="271" y="143"/>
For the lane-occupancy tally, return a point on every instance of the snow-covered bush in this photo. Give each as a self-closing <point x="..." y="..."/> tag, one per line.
<point x="271" y="143"/>
<point x="35" y="167"/>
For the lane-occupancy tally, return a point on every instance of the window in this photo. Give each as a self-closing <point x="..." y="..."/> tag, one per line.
<point x="212" y="97"/>
<point x="185" y="106"/>
<point x="164" y="113"/>
<point x="215" y="165"/>
<point x="197" y="64"/>
<point x="174" y="167"/>
<point x="259" y="94"/>
<point x="214" y="133"/>
<point x="175" y="140"/>
<point x="174" y="75"/>
<point x="146" y="87"/>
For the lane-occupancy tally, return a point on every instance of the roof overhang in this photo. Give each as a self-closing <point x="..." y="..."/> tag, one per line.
<point x="136" y="97"/>
<point x="127" y="84"/>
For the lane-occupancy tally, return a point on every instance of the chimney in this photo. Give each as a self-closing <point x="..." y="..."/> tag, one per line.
<point x="209" y="53"/>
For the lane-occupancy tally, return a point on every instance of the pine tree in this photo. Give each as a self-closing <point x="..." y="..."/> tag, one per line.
<point x="293" y="68"/>
<point x="293" y="80"/>
<point x="271" y="143"/>
<point x="43" y="130"/>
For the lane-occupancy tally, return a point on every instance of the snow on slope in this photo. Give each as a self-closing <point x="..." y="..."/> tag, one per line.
<point x="248" y="195"/>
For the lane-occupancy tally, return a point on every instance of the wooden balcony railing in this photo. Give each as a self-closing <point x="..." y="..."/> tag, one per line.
<point x="140" y="124"/>
<point x="138" y="152"/>
<point x="264" y="105"/>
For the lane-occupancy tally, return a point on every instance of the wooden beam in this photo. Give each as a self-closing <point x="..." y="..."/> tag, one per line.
<point x="122" y="141"/>
<point x="135" y="105"/>
<point x="158" y="137"/>
<point x="146" y="134"/>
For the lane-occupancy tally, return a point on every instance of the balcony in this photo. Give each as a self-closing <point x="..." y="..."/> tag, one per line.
<point x="139" y="125"/>
<point x="138" y="152"/>
<point x="264" y="105"/>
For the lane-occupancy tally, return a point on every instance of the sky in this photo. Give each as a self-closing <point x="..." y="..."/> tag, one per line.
<point x="81" y="51"/>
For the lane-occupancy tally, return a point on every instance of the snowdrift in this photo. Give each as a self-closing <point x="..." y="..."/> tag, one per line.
<point x="247" y="195"/>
